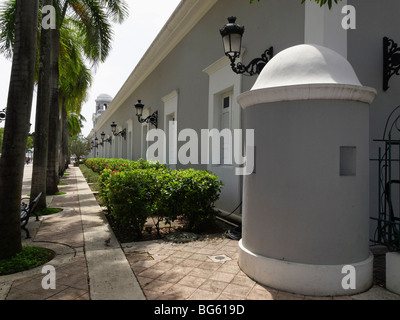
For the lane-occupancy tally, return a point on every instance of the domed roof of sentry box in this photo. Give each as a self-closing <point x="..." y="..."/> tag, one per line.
<point x="305" y="64"/>
<point x="305" y="72"/>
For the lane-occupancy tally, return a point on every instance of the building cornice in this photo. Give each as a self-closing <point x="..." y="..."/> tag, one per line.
<point x="185" y="17"/>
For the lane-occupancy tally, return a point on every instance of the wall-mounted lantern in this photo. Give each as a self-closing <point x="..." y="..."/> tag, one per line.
<point x="152" y="119"/>
<point x="391" y="61"/>
<point x="2" y="115"/>
<point x="115" y="133"/>
<point x="103" y="138"/>
<point x="232" y="35"/>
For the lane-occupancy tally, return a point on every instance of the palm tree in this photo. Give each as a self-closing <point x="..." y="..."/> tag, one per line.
<point x="43" y="107"/>
<point x="17" y="125"/>
<point x="93" y="18"/>
<point x="75" y="80"/>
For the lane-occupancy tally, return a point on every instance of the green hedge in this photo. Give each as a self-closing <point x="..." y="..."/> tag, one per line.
<point x="136" y="190"/>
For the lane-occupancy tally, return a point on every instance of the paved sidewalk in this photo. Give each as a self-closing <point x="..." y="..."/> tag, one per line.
<point x="91" y="265"/>
<point x="89" y="261"/>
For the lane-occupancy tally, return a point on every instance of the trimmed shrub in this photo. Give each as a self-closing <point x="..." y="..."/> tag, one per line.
<point x="131" y="196"/>
<point x="134" y="191"/>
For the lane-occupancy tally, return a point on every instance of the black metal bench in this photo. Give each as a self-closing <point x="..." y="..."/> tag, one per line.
<point x="26" y="210"/>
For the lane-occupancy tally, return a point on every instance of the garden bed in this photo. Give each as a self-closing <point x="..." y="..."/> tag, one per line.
<point x="149" y="197"/>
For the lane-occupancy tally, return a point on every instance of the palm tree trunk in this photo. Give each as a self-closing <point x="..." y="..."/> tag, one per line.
<point x="42" y="118"/>
<point x="17" y="126"/>
<point x="52" y="178"/>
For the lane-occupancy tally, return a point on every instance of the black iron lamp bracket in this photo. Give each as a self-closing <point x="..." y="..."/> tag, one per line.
<point x="152" y="119"/>
<point x="255" y="66"/>
<point x="121" y="133"/>
<point x="2" y="115"/>
<point x="391" y="61"/>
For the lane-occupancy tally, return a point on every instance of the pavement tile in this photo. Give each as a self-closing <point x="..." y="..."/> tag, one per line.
<point x="213" y="266"/>
<point x="222" y="276"/>
<point x="158" y="286"/>
<point x="143" y="281"/>
<point x="163" y="266"/>
<point x="70" y="294"/>
<point x="199" y="256"/>
<point x="200" y="294"/>
<point x="237" y="290"/>
<point x="144" y="264"/>
<point x="16" y="294"/>
<point x="172" y="276"/>
<point x="202" y="273"/>
<point x="191" y="281"/>
<point x="181" y="292"/>
<point x="229" y="268"/>
<point x="173" y="260"/>
<point x="214" y="286"/>
<point x="243" y="281"/>
<point x="151" y="273"/>
<point x="260" y="293"/>
<point x="226" y="296"/>
<point x="181" y="254"/>
<point x="190" y="263"/>
<point x="151" y="295"/>
<point x="77" y="281"/>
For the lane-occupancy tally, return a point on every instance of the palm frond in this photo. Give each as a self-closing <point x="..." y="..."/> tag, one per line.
<point x="7" y="25"/>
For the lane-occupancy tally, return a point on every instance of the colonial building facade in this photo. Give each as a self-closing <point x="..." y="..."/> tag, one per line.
<point x="186" y="80"/>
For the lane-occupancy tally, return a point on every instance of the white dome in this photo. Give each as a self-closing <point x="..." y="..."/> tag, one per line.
<point x="306" y="64"/>
<point x="307" y="72"/>
<point x="104" y="97"/>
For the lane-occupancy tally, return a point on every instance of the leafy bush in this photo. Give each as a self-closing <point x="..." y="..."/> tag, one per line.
<point x="99" y="165"/>
<point x="131" y="195"/>
<point x="133" y="191"/>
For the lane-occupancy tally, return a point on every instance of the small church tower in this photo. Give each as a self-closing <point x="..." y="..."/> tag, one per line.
<point x="102" y="103"/>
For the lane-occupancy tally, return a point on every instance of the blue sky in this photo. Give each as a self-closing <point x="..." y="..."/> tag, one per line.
<point x="131" y="41"/>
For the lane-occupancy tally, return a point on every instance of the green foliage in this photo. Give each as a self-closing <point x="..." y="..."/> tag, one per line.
<point x="321" y="2"/>
<point x="136" y="190"/>
<point x="28" y="258"/>
<point x="79" y="146"/>
<point x="48" y="211"/>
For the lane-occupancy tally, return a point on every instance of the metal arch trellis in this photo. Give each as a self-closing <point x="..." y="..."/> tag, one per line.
<point x="388" y="221"/>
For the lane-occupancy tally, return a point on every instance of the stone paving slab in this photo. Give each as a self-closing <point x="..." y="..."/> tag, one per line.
<point x="171" y="271"/>
<point x="110" y="276"/>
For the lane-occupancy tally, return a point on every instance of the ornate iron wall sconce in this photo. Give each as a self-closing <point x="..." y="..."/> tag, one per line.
<point x="3" y="115"/>
<point x="114" y="131"/>
<point x="232" y="35"/>
<point x="103" y="138"/>
<point x="152" y="119"/>
<point x="391" y="61"/>
<point x="95" y="145"/>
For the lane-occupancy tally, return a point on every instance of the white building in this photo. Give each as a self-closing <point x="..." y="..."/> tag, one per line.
<point x="186" y="78"/>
